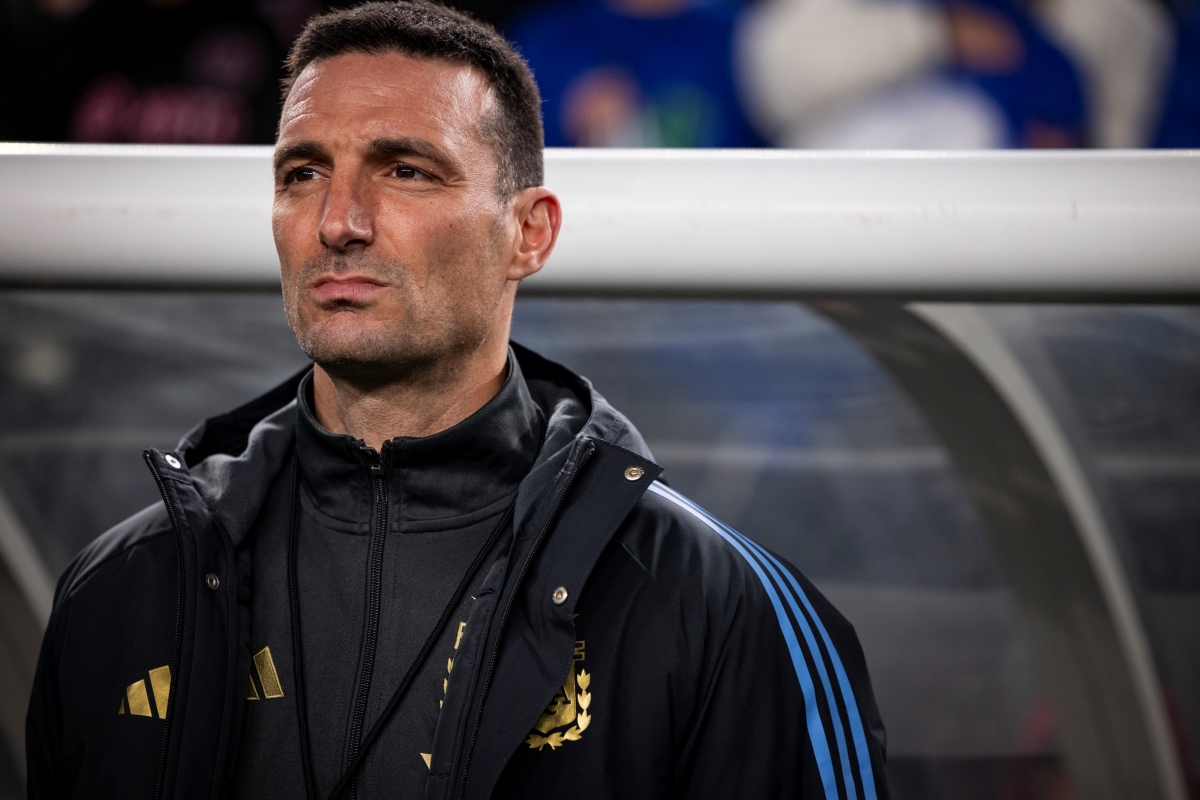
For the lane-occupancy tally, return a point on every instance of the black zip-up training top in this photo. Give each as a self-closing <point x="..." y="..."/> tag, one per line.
<point x="383" y="540"/>
<point x="623" y="644"/>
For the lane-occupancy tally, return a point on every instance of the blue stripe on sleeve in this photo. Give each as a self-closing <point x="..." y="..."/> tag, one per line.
<point x="834" y="714"/>
<point x="856" y="726"/>
<point x="816" y="728"/>
<point x="809" y="638"/>
<point x="858" y="733"/>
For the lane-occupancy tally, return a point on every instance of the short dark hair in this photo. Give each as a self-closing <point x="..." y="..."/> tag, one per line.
<point x="423" y="29"/>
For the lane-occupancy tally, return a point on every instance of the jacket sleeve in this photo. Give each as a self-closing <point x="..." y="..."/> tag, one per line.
<point x="785" y="707"/>
<point x="46" y="770"/>
<point x="105" y="627"/>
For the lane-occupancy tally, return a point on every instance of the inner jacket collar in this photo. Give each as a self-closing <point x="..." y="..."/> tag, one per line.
<point x="434" y="482"/>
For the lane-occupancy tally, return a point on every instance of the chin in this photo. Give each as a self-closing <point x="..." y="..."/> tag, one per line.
<point x="364" y="352"/>
<point x="343" y="333"/>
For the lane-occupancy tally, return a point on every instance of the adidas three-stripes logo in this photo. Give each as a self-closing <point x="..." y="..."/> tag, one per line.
<point x="267" y="677"/>
<point x="137" y="699"/>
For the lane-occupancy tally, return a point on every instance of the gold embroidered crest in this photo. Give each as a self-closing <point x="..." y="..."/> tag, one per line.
<point x="568" y="709"/>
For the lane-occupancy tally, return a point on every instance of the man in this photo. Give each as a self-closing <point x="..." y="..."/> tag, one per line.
<point x="434" y="564"/>
<point x="955" y="74"/>
<point x="636" y="73"/>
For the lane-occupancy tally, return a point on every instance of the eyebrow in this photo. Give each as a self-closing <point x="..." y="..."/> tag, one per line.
<point x="380" y="149"/>
<point x="299" y="150"/>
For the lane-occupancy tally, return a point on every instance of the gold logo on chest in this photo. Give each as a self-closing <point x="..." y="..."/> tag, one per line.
<point x="267" y="676"/>
<point x="567" y="716"/>
<point x="139" y="701"/>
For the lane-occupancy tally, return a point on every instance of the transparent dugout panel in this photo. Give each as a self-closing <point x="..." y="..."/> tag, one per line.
<point x="764" y="413"/>
<point x="1125" y="384"/>
<point x="90" y="379"/>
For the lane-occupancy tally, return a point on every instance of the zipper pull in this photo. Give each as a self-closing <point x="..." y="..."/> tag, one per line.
<point x="374" y="460"/>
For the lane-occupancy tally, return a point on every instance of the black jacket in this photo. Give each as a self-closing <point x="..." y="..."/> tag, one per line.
<point x="625" y="644"/>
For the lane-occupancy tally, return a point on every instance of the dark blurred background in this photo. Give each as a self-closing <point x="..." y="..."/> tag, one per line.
<point x="928" y="74"/>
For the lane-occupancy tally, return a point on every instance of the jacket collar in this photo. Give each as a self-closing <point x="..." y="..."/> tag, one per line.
<point x="437" y="482"/>
<point x="575" y="412"/>
<point x="235" y="456"/>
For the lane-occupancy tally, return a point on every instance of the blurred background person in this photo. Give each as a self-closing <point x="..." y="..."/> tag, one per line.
<point x="895" y="74"/>
<point x="636" y="73"/>
<point x="1180" y="122"/>
<point x="1122" y="50"/>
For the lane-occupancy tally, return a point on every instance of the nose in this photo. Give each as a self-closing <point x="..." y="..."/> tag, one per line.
<point x="346" y="220"/>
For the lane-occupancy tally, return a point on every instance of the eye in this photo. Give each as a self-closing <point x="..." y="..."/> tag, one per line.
<point x="407" y="173"/>
<point x="301" y="175"/>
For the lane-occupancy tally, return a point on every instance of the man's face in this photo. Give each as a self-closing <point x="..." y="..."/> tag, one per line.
<point x="394" y="248"/>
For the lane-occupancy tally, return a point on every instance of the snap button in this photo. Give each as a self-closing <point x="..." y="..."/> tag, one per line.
<point x="634" y="473"/>
<point x="560" y="596"/>
<point x="212" y="581"/>
<point x="172" y="460"/>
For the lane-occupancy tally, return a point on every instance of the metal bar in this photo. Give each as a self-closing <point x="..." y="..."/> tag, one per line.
<point x="1084" y="224"/>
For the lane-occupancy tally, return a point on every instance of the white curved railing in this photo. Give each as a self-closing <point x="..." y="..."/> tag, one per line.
<point x="1080" y="223"/>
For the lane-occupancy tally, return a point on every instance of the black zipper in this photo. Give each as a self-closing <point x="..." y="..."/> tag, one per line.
<point x="487" y="679"/>
<point x="455" y="600"/>
<point x="374" y="601"/>
<point x="176" y="654"/>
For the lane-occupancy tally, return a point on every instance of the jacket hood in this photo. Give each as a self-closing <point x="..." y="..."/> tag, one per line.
<point x="234" y="456"/>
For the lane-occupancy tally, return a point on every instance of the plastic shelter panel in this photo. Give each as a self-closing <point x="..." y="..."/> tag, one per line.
<point x="1125" y="381"/>
<point x="91" y="379"/>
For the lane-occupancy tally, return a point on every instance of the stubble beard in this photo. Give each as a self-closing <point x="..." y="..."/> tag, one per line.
<point x="426" y="346"/>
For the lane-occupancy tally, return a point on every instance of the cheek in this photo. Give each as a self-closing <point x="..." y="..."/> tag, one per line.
<point x="296" y="218"/>
<point x="287" y="230"/>
<point x="442" y="243"/>
<point x="471" y="261"/>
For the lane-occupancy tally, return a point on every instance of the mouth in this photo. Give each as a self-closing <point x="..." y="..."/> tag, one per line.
<point x="332" y="289"/>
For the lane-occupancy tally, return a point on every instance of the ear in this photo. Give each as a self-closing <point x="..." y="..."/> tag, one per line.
<point x="538" y="217"/>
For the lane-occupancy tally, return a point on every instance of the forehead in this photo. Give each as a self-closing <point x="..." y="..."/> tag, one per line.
<point x="365" y="97"/>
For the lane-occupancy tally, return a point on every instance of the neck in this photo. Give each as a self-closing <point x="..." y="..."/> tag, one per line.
<point x="414" y="407"/>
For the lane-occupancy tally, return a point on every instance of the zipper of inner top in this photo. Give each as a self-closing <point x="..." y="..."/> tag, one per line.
<point x="588" y="449"/>
<point x="374" y="601"/>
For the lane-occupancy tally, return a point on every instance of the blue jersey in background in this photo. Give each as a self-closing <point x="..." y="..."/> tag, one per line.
<point x="611" y="79"/>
